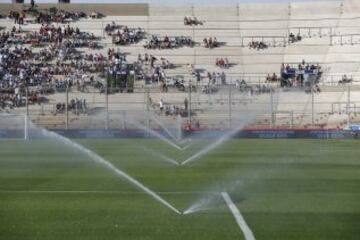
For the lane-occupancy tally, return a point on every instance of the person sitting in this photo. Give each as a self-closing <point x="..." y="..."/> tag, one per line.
<point x="206" y="43"/>
<point x="186" y="21"/>
<point x="226" y="63"/>
<point x="268" y="78"/>
<point x="274" y="77"/>
<point x="291" y="37"/>
<point x="220" y="62"/>
<point x="210" y="41"/>
<point x="215" y="42"/>
<point x="345" y="79"/>
<point x="258" y="45"/>
<point x="195" y="21"/>
<point x="298" y="37"/>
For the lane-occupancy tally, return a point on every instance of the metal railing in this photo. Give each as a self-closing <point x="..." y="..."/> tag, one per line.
<point x="218" y="106"/>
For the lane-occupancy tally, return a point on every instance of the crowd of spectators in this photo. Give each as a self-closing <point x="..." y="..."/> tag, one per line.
<point x="17" y="72"/>
<point x="58" y="65"/>
<point x="297" y="75"/>
<point x="77" y="106"/>
<point x="58" y="16"/>
<point x="191" y="21"/>
<point x="73" y="37"/>
<point x="217" y="78"/>
<point x="166" y="42"/>
<point x="18" y="17"/>
<point x="8" y="38"/>
<point x="22" y="68"/>
<point x="124" y="35"/>
<point x="258" y="45"/>
<point x="46" y="16"/>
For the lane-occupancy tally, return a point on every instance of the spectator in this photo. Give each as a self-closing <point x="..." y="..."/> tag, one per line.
<point x="166" y="42"/>
<point x="161" y="106"/>
<point x="293" y="38"/>
<point x="210" y="43"/>
<point x="222" y="63"/>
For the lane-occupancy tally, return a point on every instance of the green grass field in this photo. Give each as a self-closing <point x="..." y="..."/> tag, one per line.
<point x="285" y="189"/>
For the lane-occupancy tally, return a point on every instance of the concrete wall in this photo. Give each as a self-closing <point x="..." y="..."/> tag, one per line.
<point x="106" y="9"/>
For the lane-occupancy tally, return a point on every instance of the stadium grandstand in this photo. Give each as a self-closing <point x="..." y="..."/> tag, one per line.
<point x="62" y="64"/>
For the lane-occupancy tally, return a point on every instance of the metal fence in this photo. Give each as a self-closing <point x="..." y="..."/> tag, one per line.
<point x="203" y="106"/>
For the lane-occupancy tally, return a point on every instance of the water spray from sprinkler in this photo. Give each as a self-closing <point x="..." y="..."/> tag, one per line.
<point x="96" y="158"/>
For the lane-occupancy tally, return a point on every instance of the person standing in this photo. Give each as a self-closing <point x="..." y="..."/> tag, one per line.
<point x="161" y="105"/>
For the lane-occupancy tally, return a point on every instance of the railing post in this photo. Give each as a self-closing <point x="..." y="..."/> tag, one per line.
<point x="312" y="106"/>
<point x="103" y="29"/>
<point x="348" y="106"/>
<point x="331" y="39"/>
<point x="230" y="102"/>
<point x="26" y="128"/>
<point x="67" y="107"/>
<point x="124" y="121"/>
<point x="27" y="100"/>
<point x="107" y="103"/>
<point x="189" y="109"/>
<point x="148" y="107"/>
<point x="272" y="117"/>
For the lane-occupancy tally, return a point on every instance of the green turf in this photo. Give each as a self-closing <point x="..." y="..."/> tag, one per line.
<point x="286" y="189"/>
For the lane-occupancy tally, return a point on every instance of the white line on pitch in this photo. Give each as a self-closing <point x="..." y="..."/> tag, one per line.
<point x="102" y="191"/>
<point x="238" y="217"/>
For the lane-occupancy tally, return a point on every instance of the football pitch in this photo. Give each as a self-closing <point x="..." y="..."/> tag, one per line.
<point x="284" y="189"/>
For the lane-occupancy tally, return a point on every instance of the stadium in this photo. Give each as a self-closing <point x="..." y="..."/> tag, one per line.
<point x="179" y="120"/>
